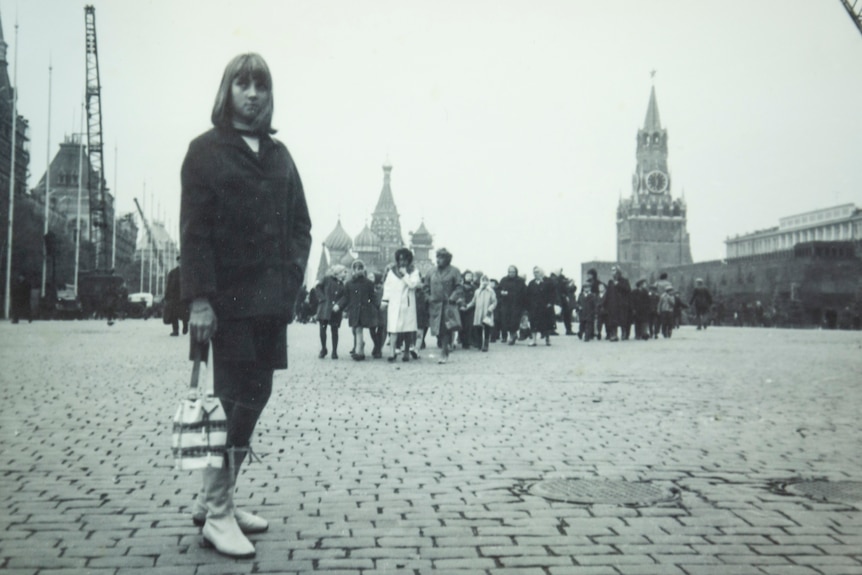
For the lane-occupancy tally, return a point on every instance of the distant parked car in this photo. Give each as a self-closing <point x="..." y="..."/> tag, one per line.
<point x="140" y="305"/>
<point x="68" y="305"/>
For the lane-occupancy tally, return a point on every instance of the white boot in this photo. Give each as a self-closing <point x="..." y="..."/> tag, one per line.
<point x="248" y="522"/>
<point x="221" y="529"/>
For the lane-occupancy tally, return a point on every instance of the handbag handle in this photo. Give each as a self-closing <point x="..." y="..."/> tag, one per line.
<point x="200" y="351"/>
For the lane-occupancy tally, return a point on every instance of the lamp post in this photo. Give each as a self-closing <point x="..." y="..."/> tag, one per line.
<point x="47" y="188"/>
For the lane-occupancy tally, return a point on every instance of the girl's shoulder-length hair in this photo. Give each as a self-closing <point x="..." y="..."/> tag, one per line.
<point x="249" y="67"/>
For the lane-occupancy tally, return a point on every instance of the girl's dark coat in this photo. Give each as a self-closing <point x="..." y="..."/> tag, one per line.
<point x="245" y="229"/>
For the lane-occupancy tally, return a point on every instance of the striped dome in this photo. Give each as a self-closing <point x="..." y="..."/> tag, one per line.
<point x="338" y="240"/>
<point x="366" y="240"/>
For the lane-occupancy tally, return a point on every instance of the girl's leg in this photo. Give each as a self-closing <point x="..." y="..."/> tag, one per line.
<point x="393" y="349"/>
<point x="334" y="330"/>
<point x="360" y="341"/>
<point x="323" y="339"/>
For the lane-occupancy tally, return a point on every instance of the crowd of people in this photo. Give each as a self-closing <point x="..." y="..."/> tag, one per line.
<point x="471" y="310"/>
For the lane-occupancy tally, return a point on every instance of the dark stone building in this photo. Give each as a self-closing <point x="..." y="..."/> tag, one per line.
<point x="20" y="259"/>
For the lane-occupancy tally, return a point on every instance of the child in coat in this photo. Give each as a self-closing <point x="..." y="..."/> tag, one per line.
<point x="587" y="314"/>
<point x="483" y="303"/>
<point x="358" y="302"/>
<point x="665" y="311"/>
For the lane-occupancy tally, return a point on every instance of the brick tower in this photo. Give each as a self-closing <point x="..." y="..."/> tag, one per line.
<point x="651" y="224"/>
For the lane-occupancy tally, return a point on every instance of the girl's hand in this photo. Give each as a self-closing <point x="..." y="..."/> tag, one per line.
<point x="202" y="321"/>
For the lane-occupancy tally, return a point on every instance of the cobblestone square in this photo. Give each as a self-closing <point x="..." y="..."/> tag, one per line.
<point x="370" y="467"/>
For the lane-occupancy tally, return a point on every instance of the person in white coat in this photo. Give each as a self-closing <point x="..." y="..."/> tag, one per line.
<point x="399" y="299"/>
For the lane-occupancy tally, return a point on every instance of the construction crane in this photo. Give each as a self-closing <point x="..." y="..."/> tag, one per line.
<point x="99" y="223"/>
<point x="855" y="11"/>
<point x="154" y="247"/>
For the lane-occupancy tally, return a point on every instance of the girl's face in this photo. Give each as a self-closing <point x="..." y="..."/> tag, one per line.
<point x="468" y="278"/>
<point x="248" y="97"/>
<point x="485" y="282"/>
<point x="401" y="261"/>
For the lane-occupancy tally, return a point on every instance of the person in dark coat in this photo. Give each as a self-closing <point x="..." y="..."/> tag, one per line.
<point x="641" y="307"/>
<point x="445" y="297"/>
<point x="654" y="297"/>
<point x="20" y="299"/>
<point x="568" y="303"/>
<point x="378" y="330"/>
<point x="422" y="318"/>
<point x="565" y="299"/>
<point x="358" y="302"/>
<point x="618" y="305"/>
<point x="511" y="303"/>
<point x="465" y="335"/>
<point x="592" y="280"/>
<point x="588" y="306"/>
<point x="176" y="309"/>
<point x="541" y="297"/>
<point x="495" y="330"/>
<point x="245" y="236"/>
<point x="701" y="300"/>
<point x="678" y="306"/>
<point x="327" y="292"/>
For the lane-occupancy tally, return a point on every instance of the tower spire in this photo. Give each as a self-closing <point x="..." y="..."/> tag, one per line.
<point x="386" y="203"/>
<point x="652" y="122"/>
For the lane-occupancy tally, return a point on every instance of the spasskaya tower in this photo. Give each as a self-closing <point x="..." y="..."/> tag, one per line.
<point x="651" y="224"/>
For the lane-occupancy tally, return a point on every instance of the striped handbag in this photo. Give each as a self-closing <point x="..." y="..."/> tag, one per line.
<point x="200" y="425"/>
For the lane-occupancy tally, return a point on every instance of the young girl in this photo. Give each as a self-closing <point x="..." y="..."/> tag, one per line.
<point x="484" y="303"/>
<point x="329" y="291"/>
<point x="358" y="302"/>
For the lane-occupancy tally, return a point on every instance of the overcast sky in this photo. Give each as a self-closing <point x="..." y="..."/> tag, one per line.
<point x="510" y="124"/>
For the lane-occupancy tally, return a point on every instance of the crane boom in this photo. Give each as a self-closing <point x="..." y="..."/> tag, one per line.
<point x="96" y="186"/>
<point x="855" y="11"/>
<point x="152" y="240"/>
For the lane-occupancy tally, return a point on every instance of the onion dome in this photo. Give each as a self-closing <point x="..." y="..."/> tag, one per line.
<point x="421" y="237"/>
<point x="338" y="240"/>
<point x="366" y="241"/>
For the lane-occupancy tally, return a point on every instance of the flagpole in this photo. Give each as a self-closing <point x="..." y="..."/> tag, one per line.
<point x="8" y="292"/>
<point x="143" y="230"/>
<point x="47" y="187"/>
<point x="114" y="217"/>
<point x="80" y="182"/>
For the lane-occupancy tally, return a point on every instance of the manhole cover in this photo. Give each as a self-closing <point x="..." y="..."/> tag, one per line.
<point x="839" y="491"/>
<point x="587" y="491"/>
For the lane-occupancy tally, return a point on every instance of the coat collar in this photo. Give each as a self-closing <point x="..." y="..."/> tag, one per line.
<point x="231" y="137"/>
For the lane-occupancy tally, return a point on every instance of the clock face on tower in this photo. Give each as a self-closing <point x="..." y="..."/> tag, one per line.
<point x="656" y="181"/>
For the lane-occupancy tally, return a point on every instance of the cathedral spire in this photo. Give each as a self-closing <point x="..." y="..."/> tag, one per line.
<point x="652" y="122"/>
<point x="386" y="203"/>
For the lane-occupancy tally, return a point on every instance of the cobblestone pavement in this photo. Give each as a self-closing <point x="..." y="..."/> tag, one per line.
<point x="423" y="468"/>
